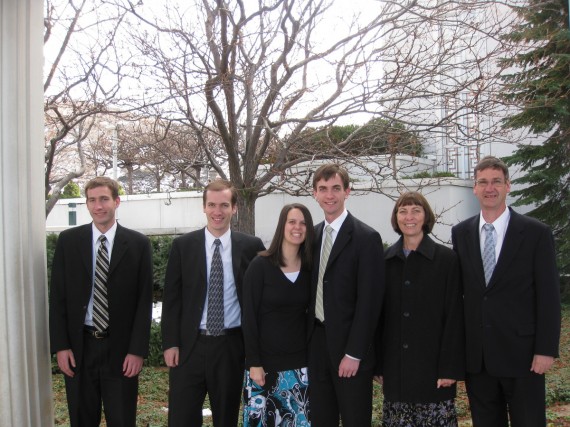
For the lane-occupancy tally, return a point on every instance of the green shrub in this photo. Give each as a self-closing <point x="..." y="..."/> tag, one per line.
<point x="160" y="251"/>
<point x="155" y="357"/>
<point x="71" y="191"/>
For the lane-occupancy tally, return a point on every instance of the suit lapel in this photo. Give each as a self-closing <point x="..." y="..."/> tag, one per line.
<point x="201" y="253"/>
<point x="474" y="250"/>
<point x="86" y="248"/>
<point x="119" y="248"/>
<point x="511" y="244"/>
<point x="236" y="254"/>
<point x="342" y="238"/>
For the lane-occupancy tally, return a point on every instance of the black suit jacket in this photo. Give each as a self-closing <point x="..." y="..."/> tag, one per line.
<point x="353" y="288"/>
<point x="129" y="291"/>
<point x="518" y="314"/>
<point x="186" y="283"/>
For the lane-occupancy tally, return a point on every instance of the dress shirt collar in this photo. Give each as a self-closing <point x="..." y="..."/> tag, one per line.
<point x="224" y="238"/>
<point x="500" y="223"/>
<point x="337" y="223"/>
<point x="109" y="234"/>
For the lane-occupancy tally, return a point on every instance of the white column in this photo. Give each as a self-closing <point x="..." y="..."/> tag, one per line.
<point x="25" y="372"/>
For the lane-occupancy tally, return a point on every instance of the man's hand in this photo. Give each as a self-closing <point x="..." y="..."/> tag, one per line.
<point x="541" y="364"/>
<point x="171" y="356"/>
<point x="257" y="374"/>
<point x="66" y="362"/>
<point x="132" y="365"/>
<point x="348" y="367"/>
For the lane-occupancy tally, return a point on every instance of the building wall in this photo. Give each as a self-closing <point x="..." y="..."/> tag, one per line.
<point x="175" y="213"/>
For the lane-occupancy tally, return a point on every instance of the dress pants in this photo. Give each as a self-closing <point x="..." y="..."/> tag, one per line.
<point x="330" y="395"/>
<point x="496" y="400"/>
<point x="95" y="383"/>
<point x="215" y="367"/>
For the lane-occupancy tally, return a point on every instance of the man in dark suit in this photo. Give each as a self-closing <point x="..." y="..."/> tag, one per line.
<point x="205" y="351"/>
<point x="101" y="350"/>
<point x="347" y="291"/>
<point x="512" y="305"/>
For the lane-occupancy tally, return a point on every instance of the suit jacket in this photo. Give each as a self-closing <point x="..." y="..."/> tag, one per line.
<point x="353" y="288"/>
<point x="423" y="311"/>
<point x="186" y="283"/>
<point x="518" y="314"/>
<point x="129" y="292"/>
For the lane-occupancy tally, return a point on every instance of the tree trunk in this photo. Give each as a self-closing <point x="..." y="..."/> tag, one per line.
<point x="244" y="220"/>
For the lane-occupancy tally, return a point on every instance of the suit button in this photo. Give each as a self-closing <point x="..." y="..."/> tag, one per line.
<point x="405" y="346"/>
<point x="407" y="283"/>
<point x="406" y="314"/>
<point x="485" y="298"/>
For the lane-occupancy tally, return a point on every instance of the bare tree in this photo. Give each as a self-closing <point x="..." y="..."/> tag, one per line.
<point x="85" y="72"/>
<point x="262" y="77"/>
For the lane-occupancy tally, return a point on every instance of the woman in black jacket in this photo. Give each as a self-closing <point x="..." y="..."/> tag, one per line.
<point x="275" y="300"/>
<point x="420" y="335"/>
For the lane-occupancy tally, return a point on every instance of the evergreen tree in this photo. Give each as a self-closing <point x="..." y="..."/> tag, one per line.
<point x="540" y="86"/>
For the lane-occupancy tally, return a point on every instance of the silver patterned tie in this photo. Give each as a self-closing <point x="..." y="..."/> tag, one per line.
<point x="489" y="252"/>
<point x="327" y="245"/>
<point x="215" y="317"/>
<point x="100" y="301"/>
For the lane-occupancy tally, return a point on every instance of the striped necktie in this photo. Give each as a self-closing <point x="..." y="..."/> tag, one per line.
<point x="100" y="301"/>
<point x="489" y="252"/>
<point x="326" y="251"/>
<point x="215" y="316"/>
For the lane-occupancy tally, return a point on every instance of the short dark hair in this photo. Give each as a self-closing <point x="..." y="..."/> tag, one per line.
<point x="220" y="185"/>
<point x="328" y="171"/>
<point x="103" y="181"/>
<point x="275" y="250"/>
<point x="416" y="199"/>
<point x="492" y="162"/>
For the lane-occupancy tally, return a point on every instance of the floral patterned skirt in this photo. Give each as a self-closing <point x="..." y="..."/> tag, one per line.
<point x="283" y="401"/>
<point x="403" y="414"/>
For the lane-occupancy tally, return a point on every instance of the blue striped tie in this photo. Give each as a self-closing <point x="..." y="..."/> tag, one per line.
<point x="489" y="252"/>
<point x="215" y="316"/>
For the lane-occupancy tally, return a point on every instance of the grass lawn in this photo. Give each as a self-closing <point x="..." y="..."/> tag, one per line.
<point x="153" y="391"/>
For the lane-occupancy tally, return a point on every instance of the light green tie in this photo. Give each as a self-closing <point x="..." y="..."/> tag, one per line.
<point x="319" y="309"/>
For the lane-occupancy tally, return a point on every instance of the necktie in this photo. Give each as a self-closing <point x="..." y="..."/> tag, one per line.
<point x="489" y="252"/>
<point x="215" y="317"/>
<point x="100" y="301"/>
<point x="319" y="309"/>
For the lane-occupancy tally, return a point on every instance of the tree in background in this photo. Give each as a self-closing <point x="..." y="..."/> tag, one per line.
<point x="540" y="87"/>
<point x="261" y="77"/>
<point x="71" y="191"/>
<point x="86" y="73"/>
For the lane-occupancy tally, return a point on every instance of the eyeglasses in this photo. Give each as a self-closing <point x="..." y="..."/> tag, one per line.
<point x="495" y="183"/>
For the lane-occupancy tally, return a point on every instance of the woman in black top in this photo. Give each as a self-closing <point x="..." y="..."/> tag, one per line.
<point x="421" y="344"/>
<point x="275" y="300"/>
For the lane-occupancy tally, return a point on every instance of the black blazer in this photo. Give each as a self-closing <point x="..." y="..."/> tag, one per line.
<point x="353" y="288"/>
<point x="186" y="283"/>
<point x="518" y="314"/>
<point x="421" y="334"/>
<point x="129" y="291"/>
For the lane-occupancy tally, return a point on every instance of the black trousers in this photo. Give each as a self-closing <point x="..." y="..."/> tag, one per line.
<point x="95" y="386"/>
<point x="332" y="397"/>
<point x="495" y="401"/>
<point x="215" y="367"/>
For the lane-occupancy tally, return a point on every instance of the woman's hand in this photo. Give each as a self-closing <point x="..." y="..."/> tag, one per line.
<point x="444" y="382"/>
<point x="257" y="374"/>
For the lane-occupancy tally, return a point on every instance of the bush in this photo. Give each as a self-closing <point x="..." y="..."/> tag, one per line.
<point x="160" y="251"/>
<point x="155" y="357"/>
<point x="71" y="191"/>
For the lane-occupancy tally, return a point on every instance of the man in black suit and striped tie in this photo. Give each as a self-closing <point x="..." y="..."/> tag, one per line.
<point x="100" y="311"/>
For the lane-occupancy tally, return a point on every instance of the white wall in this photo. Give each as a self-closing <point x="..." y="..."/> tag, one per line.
<point x="175" y="213"/>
